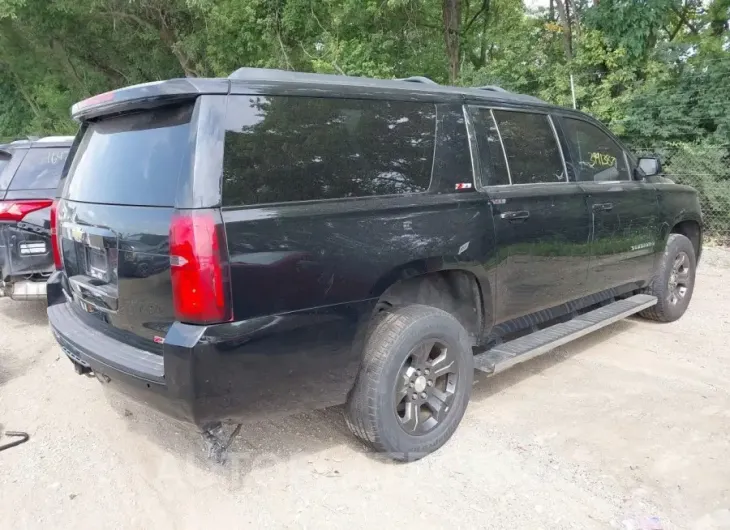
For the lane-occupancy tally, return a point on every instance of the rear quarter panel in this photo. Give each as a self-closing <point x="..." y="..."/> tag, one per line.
<point x="305" y="280"/>
<point x="298" y="256"/>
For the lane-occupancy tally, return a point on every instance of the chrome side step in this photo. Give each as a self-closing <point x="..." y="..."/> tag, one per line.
<point x="510" y="353"/>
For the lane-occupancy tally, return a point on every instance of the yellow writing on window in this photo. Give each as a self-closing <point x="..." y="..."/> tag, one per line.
<point x="602" y="160"/>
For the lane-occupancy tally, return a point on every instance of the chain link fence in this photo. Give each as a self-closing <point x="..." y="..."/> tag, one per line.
<point x="707" y="169"/>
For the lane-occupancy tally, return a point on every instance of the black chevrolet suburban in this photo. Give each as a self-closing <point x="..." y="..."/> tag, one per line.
<point x="29" y="174"/>
<point x="274" y="242"/>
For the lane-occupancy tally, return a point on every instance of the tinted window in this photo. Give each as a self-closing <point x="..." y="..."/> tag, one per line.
<point x="597" y="156"/>
<point x="4" y="162"/>
<point x="134" y="159"/>
<point x="282" y="149"/>
<point x="491" y="155"/>
<point x="41" y="169"/>
<point x="452" y="159"/>
<point x="532" y="152"/>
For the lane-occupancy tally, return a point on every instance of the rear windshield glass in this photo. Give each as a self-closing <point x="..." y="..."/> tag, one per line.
<point x="134" y="160"/>
<point x="41" y="169"/>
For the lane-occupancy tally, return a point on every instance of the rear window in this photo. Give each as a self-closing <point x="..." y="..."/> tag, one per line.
<point x="135" y="159"/>
<point x="41" y="169"/>
<point x="283" y="149"/>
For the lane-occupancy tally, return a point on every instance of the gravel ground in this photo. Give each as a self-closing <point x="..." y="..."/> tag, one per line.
<point x="625" y="425"/>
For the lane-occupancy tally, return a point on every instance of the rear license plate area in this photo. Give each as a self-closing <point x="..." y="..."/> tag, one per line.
<point x="90" y="256"/>
<point x="97" y="264"/>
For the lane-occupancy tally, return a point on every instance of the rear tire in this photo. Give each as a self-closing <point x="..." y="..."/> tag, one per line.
<point x="674" y="280"/>
<point x="414" y="383"/>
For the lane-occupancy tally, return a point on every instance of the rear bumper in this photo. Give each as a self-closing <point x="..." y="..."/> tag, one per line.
<point x="138" y="373"/>
<point x="247" y="370"/>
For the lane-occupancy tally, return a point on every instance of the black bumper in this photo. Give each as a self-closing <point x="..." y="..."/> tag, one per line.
<point x="247" y="370"/>
<point x="160" y="381"/>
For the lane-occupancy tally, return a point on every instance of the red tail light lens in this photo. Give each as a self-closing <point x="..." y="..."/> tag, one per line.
<point x="16" y="210"/>
<point x="199" y="267"/>
<point x="55" y="243"/>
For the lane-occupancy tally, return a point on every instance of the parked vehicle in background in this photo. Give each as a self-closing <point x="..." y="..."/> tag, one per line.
<point x="275" y="242"/>
<point x="29" y="174"/>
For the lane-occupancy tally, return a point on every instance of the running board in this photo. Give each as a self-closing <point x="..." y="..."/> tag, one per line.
<point x="510" y="353"/>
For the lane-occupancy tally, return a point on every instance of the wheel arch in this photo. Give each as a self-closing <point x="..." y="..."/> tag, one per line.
<point x="435" y="283"/>
<point x="691" y="228"/>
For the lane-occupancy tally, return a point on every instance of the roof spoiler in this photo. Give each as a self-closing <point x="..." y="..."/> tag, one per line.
<point x="146" y="95"/>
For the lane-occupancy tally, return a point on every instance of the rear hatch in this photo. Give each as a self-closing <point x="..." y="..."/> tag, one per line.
<point x="114" y="217"/>
<point x="28" y="182"/>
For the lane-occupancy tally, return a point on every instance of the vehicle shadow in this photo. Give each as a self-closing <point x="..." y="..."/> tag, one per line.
<point x="259" y="445"/>
<point x="279" y="442"/>
<point x="486" y="386"/>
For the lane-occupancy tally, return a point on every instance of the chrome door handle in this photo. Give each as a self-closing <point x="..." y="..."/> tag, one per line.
<point x="515" y="216"/>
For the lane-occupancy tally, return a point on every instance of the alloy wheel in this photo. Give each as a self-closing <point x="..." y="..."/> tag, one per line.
<point x="426" y="386"/>
<point x="679" y="278"/>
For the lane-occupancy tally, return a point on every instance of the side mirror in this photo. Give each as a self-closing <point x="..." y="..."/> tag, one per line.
<point x="650" y="166"/>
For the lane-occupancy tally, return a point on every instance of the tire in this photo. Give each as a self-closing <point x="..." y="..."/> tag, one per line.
<point x="671" y="306"/>
<point x="409" y="428"/>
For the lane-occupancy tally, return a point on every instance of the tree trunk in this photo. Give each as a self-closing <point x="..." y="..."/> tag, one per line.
<point x="452" y="23"/>
<point x="574" y="17"/>
<point x="567" y="33"/>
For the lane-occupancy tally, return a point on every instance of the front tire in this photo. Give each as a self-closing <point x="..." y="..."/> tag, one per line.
<point x="414" y="383"/>
<point x="674" y="280"/>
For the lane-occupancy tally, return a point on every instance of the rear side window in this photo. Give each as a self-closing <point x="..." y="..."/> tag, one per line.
<point x="283" y="149"/>
<point x="598" y="157"/>
<point x="531" y="148"/>
<point x="491" y="154"/>
<point x="4" y="163"/>
<point x="41" y="169"/>
<point x="133" y="159"/>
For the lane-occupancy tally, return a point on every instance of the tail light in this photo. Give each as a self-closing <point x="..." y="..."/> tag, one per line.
<point x="15" y="210"/>
<point x="55" y="244"/>
<point x="199" y="267"/>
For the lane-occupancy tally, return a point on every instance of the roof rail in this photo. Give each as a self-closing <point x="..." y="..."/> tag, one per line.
<point x="24" y="139"/>
<point x="418" y="79"/>
<point x="273" y="74"/>
<point x="52" y="139"/>
<point x="494" y="88"/>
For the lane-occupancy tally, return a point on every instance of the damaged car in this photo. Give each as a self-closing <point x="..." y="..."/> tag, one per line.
<point x="29" y="173"/>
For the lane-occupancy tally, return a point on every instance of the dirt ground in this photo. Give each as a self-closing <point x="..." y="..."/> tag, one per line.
<point x="628" y="428"/>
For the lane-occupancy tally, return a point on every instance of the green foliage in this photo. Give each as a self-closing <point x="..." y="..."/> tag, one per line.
<point x="654" y="70"/>
<point x="706" y="167"/>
